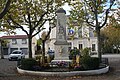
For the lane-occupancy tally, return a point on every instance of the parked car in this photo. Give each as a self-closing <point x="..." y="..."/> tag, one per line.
<point x="16" y="55"/>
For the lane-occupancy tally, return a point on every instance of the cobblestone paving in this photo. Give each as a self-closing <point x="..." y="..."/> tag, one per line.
<point x="8" y="72"/>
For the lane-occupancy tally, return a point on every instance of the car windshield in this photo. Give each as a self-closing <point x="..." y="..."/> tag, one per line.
<point x="16" y="52"/>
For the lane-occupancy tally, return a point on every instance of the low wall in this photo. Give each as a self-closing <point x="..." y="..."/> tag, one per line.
<point x="71" y="73"/>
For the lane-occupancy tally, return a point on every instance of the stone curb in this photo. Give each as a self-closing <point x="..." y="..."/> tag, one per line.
<point x="71" y="73"/>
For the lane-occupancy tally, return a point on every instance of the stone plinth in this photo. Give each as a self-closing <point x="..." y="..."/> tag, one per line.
<point x="61" y="52"/>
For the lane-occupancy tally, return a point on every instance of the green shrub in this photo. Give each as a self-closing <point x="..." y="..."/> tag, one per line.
<point x="90" y="63"/>
<point x="28" y="64"/>
<point x="73" y="53"/>
<point x="85" y="52"/>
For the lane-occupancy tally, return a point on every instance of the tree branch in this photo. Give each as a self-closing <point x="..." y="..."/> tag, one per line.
<point x="99" y="4"/>
<point x="38" y="32"/>
<point x="46" y="37"/>
<point x="39" y="29"/>
<point x="4" y="11"/>
<point x="25" y="18"/>
<point x="86" y="19"/>
<point x="41" y="18"/>
<point x="106" y="13"/>
<point x="29" y="21"/>
<point x="18" y="25"/>
<point x="89" y="23"/>
<point x="38" y="22"/>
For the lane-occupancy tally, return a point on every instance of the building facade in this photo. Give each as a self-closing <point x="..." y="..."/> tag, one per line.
<point x="84" y="37"/>
<point x="18" y="42"/>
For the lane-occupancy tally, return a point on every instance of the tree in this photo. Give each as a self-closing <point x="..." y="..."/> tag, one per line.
<point x="33" y="14"/>
<point x="113" y="37"/>
<point x="112" y="32"/>
<point x="46" y="35"/>
<point x="2" y="57"/>
<point x="4" y="7"/>
<point x="3" y="43"/>
<point x="94" y="13"/>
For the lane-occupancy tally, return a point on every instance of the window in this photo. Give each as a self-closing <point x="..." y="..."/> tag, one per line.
<point x="24" y="41"/>
<point x="80" y="46"/>
<point x="14" y="41"/>
<point x="93" y="47"/>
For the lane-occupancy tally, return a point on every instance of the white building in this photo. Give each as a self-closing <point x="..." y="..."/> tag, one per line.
<point x="83" y="37"/>
<point x="18" y="42"/>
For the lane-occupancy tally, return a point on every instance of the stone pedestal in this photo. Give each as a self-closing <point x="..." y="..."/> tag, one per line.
<point x="61" y="52"/>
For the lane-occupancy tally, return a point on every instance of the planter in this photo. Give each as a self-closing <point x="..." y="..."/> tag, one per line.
<point x="70" y="73"/>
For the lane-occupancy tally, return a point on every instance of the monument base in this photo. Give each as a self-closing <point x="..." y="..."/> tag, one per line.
<point x="61" y="52"/>
<point x="61" y="61"/>
<point x="61" y="58"/>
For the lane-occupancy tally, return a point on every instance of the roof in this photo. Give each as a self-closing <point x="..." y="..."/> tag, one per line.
<point x="15" y="37"/>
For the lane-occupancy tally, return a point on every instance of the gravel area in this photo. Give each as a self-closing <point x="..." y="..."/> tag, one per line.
<point x="8" y="72"/>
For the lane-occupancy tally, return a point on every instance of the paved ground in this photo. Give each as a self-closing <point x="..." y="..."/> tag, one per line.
<point x="8" y="72"/>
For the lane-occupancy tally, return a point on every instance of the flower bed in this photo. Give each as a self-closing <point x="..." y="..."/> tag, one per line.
<point x="64" y="73"/>
<point x="59" y="63"/>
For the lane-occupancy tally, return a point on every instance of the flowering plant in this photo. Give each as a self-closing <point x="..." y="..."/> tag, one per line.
<point x="78" y="68"/>
<point x="61" y="64"/>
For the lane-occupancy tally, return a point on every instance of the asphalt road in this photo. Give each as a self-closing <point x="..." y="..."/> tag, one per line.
<point x="8" y="72"/>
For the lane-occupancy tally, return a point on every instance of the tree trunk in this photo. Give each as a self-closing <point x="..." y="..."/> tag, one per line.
<point x="5" y="9"/>
<point x="99" y="44"/>
<point x="1" y="53"/>
<point x="30" y="46"/>
<point x="117" y="50"/>
<point x="1" y="50"/>
<point x="43" y="52"/>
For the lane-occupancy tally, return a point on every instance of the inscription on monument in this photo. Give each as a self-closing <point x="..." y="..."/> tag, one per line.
<point x="61" y="30"/>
